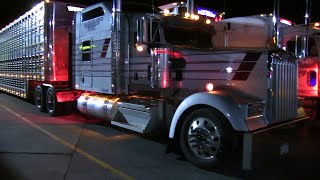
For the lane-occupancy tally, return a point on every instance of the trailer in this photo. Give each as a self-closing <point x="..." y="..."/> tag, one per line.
<point x="34" y="51"/>
<point x="148" y="72"/>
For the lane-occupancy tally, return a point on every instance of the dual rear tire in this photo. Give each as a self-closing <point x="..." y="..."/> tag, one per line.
<point x="40" y="100"/>
<point x="46" y="101"/>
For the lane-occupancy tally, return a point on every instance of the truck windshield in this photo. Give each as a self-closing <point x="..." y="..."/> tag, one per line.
<point x="196" y="37"/>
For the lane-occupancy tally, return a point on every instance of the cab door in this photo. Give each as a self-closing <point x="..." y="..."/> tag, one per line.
<point x="86" y="64"/>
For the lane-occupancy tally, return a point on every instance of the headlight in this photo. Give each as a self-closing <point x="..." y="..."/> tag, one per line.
<point x="255" y="109"/>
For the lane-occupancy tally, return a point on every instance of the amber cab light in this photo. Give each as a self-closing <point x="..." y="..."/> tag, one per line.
<point x="209" y="87"/>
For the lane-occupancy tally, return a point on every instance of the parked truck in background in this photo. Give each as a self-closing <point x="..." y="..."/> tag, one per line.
<point x="147" y="72"/>
<point x="304" y="42"/>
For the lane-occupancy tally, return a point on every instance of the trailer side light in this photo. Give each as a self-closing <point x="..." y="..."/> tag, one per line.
<point x="209" y="87"/>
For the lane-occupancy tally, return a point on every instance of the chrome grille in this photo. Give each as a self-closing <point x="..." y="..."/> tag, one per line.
<point x="283" y="88"/>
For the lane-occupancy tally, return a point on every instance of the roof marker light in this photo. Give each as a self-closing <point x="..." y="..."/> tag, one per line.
<point x="74" y="8"/>
<point x="285" y="21"/>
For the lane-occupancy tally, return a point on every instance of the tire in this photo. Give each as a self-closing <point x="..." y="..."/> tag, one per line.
<point x="315" y="112"/>
<point x="206" y="138"/>
<point x="53" y="107"/>
<point x="40" y="99"/>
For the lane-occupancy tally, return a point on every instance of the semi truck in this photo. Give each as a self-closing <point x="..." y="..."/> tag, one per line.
<point x="301" y="40"/>
<point x="147" y="72"/>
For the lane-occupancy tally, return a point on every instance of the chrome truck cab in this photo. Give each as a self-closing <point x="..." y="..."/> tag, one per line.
<point x="146" y="71"/>
<point x="187" y="62"/>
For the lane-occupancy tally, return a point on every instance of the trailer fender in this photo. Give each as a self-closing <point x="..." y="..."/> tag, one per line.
<point x="233" y="111"/>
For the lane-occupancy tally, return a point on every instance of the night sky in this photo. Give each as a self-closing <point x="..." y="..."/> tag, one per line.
<point x="289" y="9"/>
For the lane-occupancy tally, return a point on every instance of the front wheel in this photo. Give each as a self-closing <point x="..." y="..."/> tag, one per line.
<point x="206" y="138"/>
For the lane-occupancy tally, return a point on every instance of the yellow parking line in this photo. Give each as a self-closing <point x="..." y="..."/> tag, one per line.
<point x="121" y="137"/>
<point x="71" y="146"/>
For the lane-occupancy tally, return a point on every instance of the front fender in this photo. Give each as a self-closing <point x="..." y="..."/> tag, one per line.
<point x="233" y="111"/>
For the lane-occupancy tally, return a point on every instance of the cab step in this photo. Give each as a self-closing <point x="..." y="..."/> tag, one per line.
<point x="138" y="115"/>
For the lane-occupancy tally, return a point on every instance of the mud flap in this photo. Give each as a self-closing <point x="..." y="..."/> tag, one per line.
<point x="269" y="145"/>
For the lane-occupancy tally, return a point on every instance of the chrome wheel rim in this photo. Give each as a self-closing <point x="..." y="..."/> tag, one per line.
<point x="39" y="98"/>
<point x="204" y="138"/>
<point x="50" y="101"/>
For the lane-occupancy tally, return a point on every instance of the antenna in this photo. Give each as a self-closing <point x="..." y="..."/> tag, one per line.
<point x="275" y="20"/>
<point x="153" y="6"/>
<point x="306" y="22"/>
<point x="307" y="15"/>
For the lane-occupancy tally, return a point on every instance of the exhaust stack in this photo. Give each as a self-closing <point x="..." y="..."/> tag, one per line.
<point x="306" y="21"/>
<point x="307" y="15"/>
<point x="190" y="7"/>
<point x="116" y="63"/>
<point x="275" y="20"/>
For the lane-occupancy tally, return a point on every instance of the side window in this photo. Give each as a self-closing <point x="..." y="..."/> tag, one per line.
<point x="296" y="46"/>
<point x="291" y="46"/>
<point x="94" y="13"/>
<point x="312" y="48"/>
<point x="155" y="32"/>
<point x="86" y="50"/>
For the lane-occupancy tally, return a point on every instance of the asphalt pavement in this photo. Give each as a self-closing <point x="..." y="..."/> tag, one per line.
<point x="35" y="146"/>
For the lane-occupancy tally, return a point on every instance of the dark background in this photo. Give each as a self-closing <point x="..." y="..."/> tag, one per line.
<point x="293" y="10"/>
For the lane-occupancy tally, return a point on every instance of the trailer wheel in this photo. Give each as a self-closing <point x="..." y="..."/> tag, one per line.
<point x="40" y="100"/>
<point x="206" y="138"/>
<point x="53" y="107"/>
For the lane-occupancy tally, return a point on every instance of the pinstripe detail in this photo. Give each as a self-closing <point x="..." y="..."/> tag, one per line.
<point x="105" y="48"/>
<point x="246" y="66"/>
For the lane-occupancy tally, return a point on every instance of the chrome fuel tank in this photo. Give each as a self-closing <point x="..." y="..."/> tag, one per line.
<point x="97" y="105"/>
